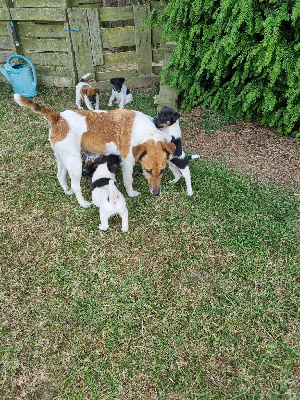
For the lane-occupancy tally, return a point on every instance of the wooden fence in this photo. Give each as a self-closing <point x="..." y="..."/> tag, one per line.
<point x="66" y="39"/>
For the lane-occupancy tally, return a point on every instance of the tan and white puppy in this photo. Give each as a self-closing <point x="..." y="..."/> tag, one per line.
<point x="129" y="133"/>
<point x="105" y="194"/>
<point x="87" y="93"/>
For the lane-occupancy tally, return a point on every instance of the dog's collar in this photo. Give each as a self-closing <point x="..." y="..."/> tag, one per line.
<point x="100" y="183"/>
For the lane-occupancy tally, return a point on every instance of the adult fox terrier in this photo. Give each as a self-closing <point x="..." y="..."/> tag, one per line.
<point x="105" y="194"/>
<point x="87" y="93"/>
<point x="120" y="92"/>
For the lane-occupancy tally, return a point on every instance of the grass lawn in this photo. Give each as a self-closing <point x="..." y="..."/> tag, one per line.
<point x="199" y="300"/>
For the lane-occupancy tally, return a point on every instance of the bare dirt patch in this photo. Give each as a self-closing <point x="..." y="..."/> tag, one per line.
<point x="249" y="147"/>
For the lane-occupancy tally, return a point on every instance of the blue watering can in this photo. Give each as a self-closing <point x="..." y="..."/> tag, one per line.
<point x="21" y="76"/>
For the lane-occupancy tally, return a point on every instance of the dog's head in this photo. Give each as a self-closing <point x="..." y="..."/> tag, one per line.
<point x="113" y="162"/>
<point x="90" y="92"/>
<point x="153" y="157"/>
<point x="166" y="117"/>
<point x="117" y="83"/>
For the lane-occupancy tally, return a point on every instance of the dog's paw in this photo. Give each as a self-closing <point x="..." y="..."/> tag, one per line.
<point x="121" y="106"/>
<point x="85" y="204"/>
<point x="103" y="227"/>
<point x="109" y="104"/>
<point x="80" y="108"/>
<point x="190" y="193"/>
<point x="69" y="192"/>
<point x="124" y="229"/>
<point x="133" y="193"/>
<point x="174" y="180"/>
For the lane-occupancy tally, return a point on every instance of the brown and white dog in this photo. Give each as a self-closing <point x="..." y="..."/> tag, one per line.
<point x="130" y="134"/>
<point x="87" y="93"/>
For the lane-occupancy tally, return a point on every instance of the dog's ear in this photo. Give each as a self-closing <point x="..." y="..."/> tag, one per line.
<point x="114" y="168"/>
<point x="122" y="80"/>
<point x="139" y="152"/>
<point x="83" y="90"/>
<point x="97" y="91"/>
<point x="175" y="116"/>
<point x="100" y="159"/>
<point x="112" y="81"/>
<point x="169" y="148"/>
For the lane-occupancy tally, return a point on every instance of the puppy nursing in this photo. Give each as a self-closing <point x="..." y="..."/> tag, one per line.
<point x="168" y="122"/>
<point x="105" y="194"/>
<point x="129" y="133"/>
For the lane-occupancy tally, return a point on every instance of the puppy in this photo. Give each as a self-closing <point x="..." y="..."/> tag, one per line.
<point x="105" y="194"/>
<point x="167" y="121"/>
<point x="120" y="92"/>
<point x="87" y="93"/>
<point x="89" y="164"/>
<point x="129" y="133"/>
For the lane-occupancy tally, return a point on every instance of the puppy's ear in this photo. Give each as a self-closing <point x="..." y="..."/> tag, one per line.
<point x="100" y="159"/>
<point x="122" y="80"/>
<point x="97" y="91"/>
<point x="112" y="81"/>
<point x="169" y="148"/>
<point x="175" y="116"/>
<point x="84" y="91"/>
<point x="139" y="152"/>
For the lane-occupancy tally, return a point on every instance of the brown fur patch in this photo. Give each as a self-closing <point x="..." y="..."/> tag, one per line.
<point x="113" y="126"/>
<point x="59" y="130"/>
<point x="153" y="157"/>
<point x="88" y="91"/>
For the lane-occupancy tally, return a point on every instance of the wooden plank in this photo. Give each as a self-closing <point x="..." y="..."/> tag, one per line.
<point x="157" y="55"/>
<point x="107" y="75"/>
<point x="5" y="44"/>
<point x="50" y="30"/>
<point x="58" y="81"/>
<point x="3" y="15"/>
<point x="117" y="37"/>
<point x="37" y="3"/>
<point x="95" y="36"/>
<point x="41" y="45"/>
<point x="49" y="58"/>
<point x="124" y="57"/>
<point x="132" y="83"/>
<point x="143" y="40"/>
<point x="38" y="14"/>
<point x="57" y="70"/>
<point x="110" y="14"/>
<point x="4" y="54"/>
<point x="80" y="39"/>
<point x="156" y="36"/>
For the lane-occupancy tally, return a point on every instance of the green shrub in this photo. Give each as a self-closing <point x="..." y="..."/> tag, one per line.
<point x="240" y="57"/>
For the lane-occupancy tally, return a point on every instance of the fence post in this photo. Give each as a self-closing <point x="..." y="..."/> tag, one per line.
<point x="142" y="40"/>
<point x="167" y="96"/>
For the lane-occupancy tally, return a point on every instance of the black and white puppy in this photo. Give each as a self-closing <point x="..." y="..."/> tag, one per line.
<point x="105" y="194"/>
<point x="120" y="92"/>
<point x="87" y="93"/>
<point x="167" y="121"/>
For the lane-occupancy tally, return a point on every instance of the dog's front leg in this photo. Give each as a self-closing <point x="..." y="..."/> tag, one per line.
<point x="186" y="173"/>
<point x="87" y="102"/>
<point x="111" y="99"/>
<point x="78" y="101"/>
<point x="127" y="169"/>
<point x="103" y="221"/>
<point x="122" y="101"/>
<point x="75" y="171"/>
<point x="97" y="102"/>
<point x="176" y="172"/>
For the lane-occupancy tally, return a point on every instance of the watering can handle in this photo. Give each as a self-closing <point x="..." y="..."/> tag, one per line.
<point x="30" y="64"/>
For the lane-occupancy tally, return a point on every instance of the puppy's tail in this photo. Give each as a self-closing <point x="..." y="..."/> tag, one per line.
<point x="83" y="78"/>
<point x="113" y="196"/>
<point x="194" y="156"/>
<point x="51" y="115"/>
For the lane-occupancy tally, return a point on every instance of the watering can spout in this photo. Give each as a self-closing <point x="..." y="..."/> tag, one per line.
<point x="3" y="71"/>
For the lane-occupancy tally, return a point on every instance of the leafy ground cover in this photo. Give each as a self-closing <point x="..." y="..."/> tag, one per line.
<point x="200" y="300"/>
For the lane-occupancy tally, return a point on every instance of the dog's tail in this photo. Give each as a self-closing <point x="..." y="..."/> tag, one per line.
<point x="51" y="115"/>
<point x="192" y="157"/>
<point x="113" y="196"/>
<point x="83" y="78"/>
